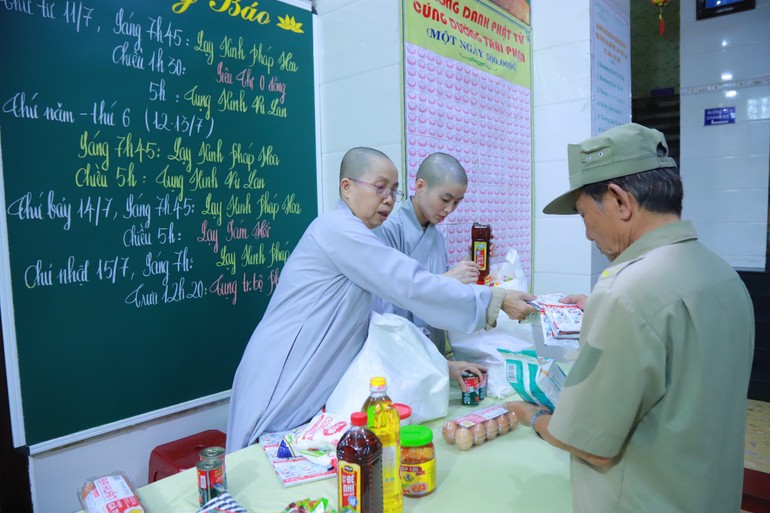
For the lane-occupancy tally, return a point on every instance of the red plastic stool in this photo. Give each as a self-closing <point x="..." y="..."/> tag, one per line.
<point x="174" y="457"/>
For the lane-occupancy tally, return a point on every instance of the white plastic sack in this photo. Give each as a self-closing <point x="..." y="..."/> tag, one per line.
<point x="482" y="347"/>
<point x="510" y="272"/>
<point x="416" y="373"/>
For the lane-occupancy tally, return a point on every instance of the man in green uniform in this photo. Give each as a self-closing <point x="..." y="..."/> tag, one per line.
<point x="654" y="409"/>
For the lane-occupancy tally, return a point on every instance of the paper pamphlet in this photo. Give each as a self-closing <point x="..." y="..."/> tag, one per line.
<point x="560" y="322"/>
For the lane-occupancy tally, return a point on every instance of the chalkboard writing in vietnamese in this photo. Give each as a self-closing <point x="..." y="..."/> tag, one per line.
<point x="159" y="165"/>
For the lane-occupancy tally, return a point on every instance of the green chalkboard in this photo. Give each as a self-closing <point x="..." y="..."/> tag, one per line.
<point x="158" y="166"/>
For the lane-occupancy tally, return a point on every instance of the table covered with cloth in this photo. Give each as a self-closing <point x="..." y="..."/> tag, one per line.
<point x="515" y="472"/>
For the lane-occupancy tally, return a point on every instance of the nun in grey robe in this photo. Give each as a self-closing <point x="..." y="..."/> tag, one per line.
<point x="403" y="232"/>
<point x="318" y="319"/>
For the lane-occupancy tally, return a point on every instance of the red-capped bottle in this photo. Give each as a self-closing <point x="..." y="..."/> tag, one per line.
<point x="359" y="469"/>
<point x="481" y="234"/>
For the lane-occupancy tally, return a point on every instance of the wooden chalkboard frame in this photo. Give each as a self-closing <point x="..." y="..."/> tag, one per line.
<point x="13" y="373"/>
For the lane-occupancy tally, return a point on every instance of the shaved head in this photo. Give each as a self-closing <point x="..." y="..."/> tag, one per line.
<point x="440" y="168"/>
<point x="357" y="161"/>
<point x="368" y="179"/>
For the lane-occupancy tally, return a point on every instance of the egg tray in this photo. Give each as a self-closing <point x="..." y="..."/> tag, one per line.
<point x="478" y="427"/>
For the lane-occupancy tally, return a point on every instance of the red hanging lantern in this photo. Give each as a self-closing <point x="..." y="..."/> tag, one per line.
<point x="660" y="4"/>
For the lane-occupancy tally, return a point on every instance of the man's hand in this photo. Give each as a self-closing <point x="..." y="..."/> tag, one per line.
<point x="466" y="271"/>
<point x="578" y="300"/>
<point x="523" y="410"/>
<point x="514" y="305"/>
<point x="456" y="370"/>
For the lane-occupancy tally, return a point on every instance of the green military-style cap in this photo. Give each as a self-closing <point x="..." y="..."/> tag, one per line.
<point x="620" y="151"/>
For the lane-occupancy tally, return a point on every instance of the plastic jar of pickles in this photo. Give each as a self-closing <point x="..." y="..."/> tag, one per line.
<point x="418" y="461"/>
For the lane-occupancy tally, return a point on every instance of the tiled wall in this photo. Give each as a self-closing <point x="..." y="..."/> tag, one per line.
<point x="565" y="261"/>
<point x="360" y="62"/>
<point x="725" y="168"/>
<point x="654" y="55"/>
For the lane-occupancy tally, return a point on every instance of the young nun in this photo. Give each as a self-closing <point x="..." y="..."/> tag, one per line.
<point x="440" y="186"/>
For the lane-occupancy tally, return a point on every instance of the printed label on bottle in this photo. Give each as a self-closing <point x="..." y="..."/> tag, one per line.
<point x="480" y="254"/>
<point x="418" y="478"/>
<point x="389" y="469"/>
<point x="349" y="487"/>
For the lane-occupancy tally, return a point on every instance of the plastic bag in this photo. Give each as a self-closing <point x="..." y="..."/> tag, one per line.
<point x="309" y="506"/>
<point x="510" y="272"/>
<point x="536" y="380"/>
<point x="114" y="493"/>
<point x="416" y="373"/>
<point x="317" y="441"/>
<point x="482" y="347"/>
<point x="223" y="502"/>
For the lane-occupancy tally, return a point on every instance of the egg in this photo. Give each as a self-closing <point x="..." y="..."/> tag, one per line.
<point x="491" y="427"/>
<point x="449" y="430"/>
<point x="513" y="420"/>
<point x="502" y="423"/>
<point x="479" y="433"/>
<point x="464" y="439"/>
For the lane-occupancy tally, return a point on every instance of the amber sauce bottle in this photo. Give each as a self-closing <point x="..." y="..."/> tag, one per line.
<point x="481" y="234"/>
<point x="359" y="469"/>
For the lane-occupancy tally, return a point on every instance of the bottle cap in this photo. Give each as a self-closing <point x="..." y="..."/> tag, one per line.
<point x="377" y="383"/>
<point x="404" y="411"/>
<point x="415" y="436"/>
<point x="358" y="418"/>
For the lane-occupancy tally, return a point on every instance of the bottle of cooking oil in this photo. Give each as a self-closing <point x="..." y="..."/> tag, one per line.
<point x="385" y="423"/>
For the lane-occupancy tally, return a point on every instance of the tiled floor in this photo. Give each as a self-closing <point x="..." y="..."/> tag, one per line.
<point x="758" y="436"/>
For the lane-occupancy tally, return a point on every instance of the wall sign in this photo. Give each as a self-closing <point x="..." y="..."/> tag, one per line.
<point x="610" y="67"/>
<point x="719" y="116"/>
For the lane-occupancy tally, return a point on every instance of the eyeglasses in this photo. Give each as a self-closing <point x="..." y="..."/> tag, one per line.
<point x="383" y="191"/>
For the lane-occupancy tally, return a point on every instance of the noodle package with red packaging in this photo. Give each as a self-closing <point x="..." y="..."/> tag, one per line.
<point x="113" y="493"/>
